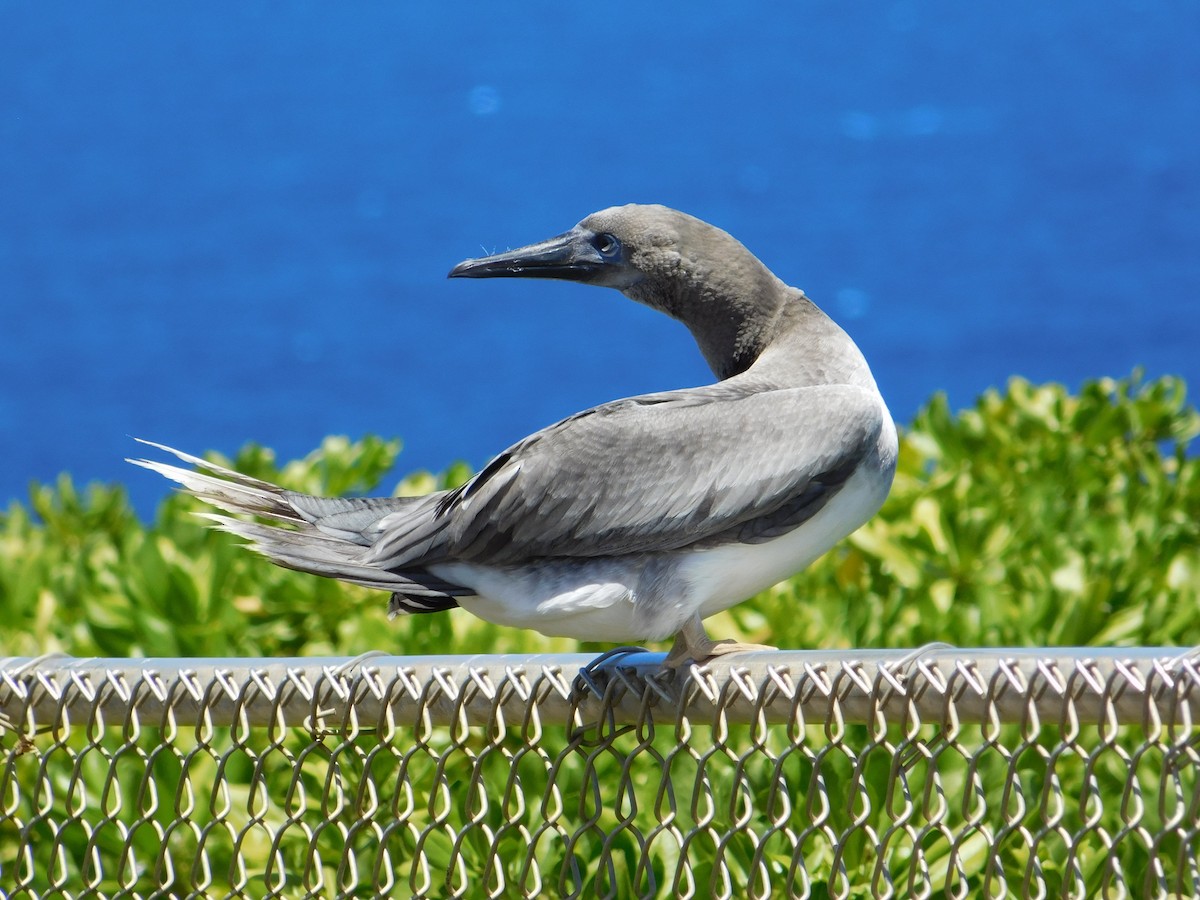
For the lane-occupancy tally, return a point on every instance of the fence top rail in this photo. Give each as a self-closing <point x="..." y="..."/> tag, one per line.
<point x="1154" y="687"/>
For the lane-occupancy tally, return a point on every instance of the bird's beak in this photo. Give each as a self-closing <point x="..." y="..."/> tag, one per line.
<point x="572" y="256"/>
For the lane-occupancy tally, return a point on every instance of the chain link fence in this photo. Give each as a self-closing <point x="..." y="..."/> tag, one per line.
<point x="938" y="772"/>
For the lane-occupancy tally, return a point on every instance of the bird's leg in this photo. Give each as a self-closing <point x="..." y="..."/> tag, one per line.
<point x="693" y="643"/>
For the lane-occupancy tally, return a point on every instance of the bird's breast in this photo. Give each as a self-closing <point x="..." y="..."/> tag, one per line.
<point x="724" y="576"/>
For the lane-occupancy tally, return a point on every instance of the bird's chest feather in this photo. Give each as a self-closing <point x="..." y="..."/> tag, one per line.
<point x="723" y="576"/>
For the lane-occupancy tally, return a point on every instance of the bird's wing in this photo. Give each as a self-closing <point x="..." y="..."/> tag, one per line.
<point x="653" y="473"/>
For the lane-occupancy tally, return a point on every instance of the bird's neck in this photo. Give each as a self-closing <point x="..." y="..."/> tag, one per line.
<point x="809" y="348"/>
<point x="732" y="310"/>
<point x="775" y="330"/>
<point x="743" y="318"/>
<point x="774" y="333"/>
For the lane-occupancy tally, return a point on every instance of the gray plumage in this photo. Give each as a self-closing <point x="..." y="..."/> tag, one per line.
<point x="637" y="518"/>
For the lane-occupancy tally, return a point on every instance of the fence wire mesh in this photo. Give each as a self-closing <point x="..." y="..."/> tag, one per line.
<point x="945" y="772"/>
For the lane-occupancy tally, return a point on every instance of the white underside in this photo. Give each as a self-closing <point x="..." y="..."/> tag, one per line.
<point x="597" y="599"/>
<point x="728" y="575"/>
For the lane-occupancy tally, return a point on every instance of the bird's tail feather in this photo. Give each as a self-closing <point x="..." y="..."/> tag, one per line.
<point x="319" y="535"/>
<point x="223" y="488"/>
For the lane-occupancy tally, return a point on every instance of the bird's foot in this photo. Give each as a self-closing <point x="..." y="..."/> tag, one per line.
<point x="692" y="644"/>
<point x="726" y="647"/>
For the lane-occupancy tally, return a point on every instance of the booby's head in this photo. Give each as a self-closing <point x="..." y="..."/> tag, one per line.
<point x="666" y="259"/>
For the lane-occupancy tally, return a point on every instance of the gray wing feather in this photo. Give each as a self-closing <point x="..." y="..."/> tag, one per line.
<point x="654" y="473"/>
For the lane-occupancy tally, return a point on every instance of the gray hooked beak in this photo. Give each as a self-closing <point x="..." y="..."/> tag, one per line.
<point x="577" y="255"/>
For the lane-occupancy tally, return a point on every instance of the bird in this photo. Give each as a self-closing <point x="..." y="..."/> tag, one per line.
<point x="638" y="518"/>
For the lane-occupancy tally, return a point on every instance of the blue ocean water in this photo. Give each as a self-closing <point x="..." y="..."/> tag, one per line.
<point x="231" y="222"/>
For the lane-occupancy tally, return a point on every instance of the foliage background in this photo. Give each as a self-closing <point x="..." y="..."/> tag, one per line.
<point x="1036" y="517"/>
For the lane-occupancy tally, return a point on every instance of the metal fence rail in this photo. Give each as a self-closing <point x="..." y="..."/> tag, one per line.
<point x="942" y="771"/>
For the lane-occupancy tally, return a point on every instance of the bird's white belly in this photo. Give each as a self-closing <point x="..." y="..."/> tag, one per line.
<point x="725" y="576"/>
<point x="582" y="599"/>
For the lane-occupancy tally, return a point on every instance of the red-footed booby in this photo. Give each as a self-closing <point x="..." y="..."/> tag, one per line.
<point x="639" y="518"/>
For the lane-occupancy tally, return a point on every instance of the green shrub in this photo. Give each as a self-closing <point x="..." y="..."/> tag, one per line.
<point x="1037" y="517"/>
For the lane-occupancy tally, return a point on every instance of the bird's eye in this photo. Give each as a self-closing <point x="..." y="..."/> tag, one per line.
<point x="607" y="245"/>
